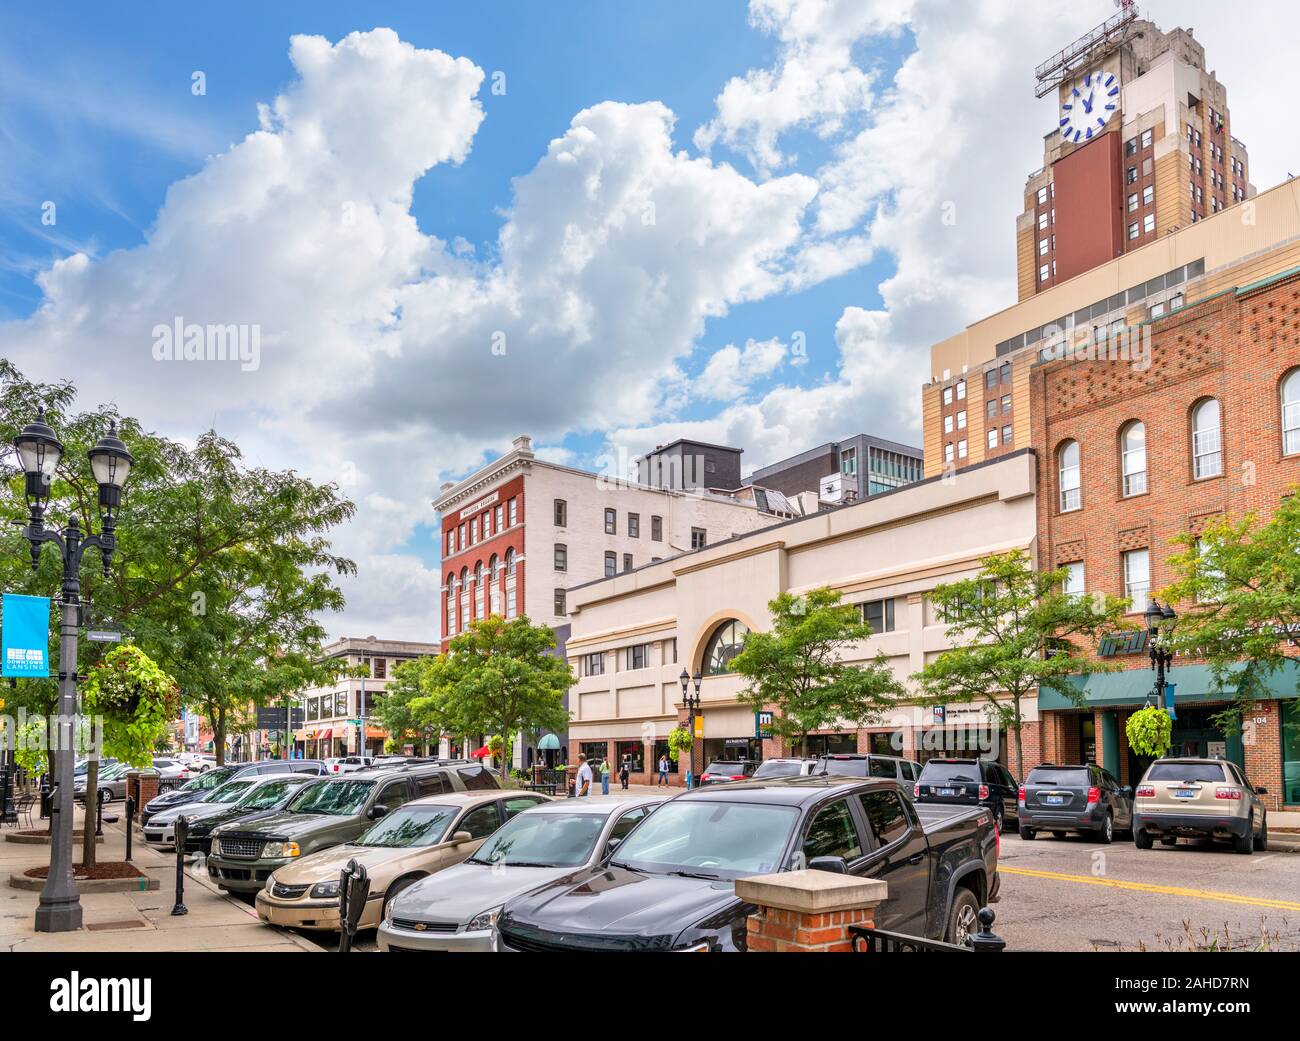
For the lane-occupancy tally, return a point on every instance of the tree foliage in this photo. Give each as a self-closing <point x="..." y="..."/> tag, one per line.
<point x="394" y="713"/>
<point x="1240" y="583"/>
<point x="797" y="670"/>
<point x="497" y="677"/>
<point x="1014" y="631"/>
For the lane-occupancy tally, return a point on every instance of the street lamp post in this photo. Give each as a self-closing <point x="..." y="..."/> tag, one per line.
<point x="692" y="705"/>
<point x="1160" y="623"/>
<point x="40" y="452"/>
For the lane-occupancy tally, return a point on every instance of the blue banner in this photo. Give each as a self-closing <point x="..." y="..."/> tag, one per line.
<point x="1169" y="700"/>
<point x="25" y="635"/>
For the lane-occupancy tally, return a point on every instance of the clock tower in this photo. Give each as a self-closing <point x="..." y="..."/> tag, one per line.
<point x="1140" y="145"/>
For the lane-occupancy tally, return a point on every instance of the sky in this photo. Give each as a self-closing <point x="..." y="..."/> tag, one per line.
<point x="437" y="226"/>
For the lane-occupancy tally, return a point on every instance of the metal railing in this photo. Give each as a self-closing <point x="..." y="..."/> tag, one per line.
<point x="882" y="941"/>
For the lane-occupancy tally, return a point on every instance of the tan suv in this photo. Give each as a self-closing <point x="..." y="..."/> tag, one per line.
<point x="1199" y="798"/>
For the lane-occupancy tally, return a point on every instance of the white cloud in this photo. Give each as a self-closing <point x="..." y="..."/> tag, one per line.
<point x="731" y="369"/>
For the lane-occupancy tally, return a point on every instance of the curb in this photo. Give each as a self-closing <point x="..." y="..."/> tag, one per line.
<point x="139" y="884"/>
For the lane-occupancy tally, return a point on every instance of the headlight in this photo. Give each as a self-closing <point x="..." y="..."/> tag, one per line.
<point x="270" y="882"/>
<point x="486" y="920"/>
<point x="695" y="948"/>
<point x="321" y="890"/>
<point x="281" y="849"/>
<point x="388" y="913"/>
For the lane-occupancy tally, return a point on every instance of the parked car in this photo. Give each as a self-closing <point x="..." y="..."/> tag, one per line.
<point x="268" y="794"/>
<point x="83" y="767"/>
<point x="870" y="764"/>
<point x="349" y="764"/>
<point x="969" y="782"/>
<point x="214" y="778"/>
<point x="161" y="828"/>
<point x="196" y="761"/>
<point x="1199" y="798"/>
<point x="415" y="841"/>
<point x="456" y="910"/>
<point x="722" y="770"/>
<point x="110" y="783"/>
<point x="171" y="773"/>
<point x="1086" y="800"/>
<point x="670" y="885"/>
<point x="328" y="814"/>
<point x="782" y="767"/>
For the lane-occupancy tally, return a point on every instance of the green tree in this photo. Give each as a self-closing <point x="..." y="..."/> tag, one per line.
<point x="497" y="677"/>
<point x="1014" y="631"/>
<point x="797" y="670"/>
<point x="1240" y="582"/>
<point x="394" y="713"/>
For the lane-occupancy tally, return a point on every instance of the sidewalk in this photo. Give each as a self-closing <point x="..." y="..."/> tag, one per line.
<point x="135" y="921"/>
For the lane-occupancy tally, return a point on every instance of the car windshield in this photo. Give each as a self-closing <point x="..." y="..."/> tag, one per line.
<point x="232" y="791"/>
<point x="336" y="798"/>
<point x="410" y="826"/>
<point x="709" y="839"/>
<point x="724" y="766"/>
<point x="937" y="770"/>
<point x="1185" y="772"/>
<point x="264" y="796"/>
<point x="207" y="781"/>
<point x="543" y="840"/>
<point x="1058" y="775"/>
<point x="775" y="768"/>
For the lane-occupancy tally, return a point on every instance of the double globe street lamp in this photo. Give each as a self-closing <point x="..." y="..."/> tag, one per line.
<point x="40" y="453"/>
<point x="1160" y="624"/>
<point x="692" y="705"/>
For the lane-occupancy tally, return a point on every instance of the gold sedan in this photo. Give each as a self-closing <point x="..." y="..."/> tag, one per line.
<point x="412" y="841"/>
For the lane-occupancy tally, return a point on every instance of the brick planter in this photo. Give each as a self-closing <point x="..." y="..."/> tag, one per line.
<point x="26" y="838"/>
<point x="808" y="911"/>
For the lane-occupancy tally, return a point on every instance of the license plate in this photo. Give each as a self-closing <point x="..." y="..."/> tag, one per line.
<point x="1054" y="800"/>
<point x="1184" y="795"/>
<point x="946" y="791"/>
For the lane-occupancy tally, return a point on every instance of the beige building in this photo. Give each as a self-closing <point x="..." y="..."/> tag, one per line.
<point x="632" y="635"/>
<point x="329" y="713"/>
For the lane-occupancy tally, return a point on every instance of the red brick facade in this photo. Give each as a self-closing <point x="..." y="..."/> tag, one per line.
<point x="460" y="565"/>
<point x="1236" y="348"/>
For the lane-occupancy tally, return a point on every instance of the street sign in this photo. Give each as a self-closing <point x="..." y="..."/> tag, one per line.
<point x="699" y="726"/>
<point x="940" y="713"/>
<point x="103" y="636"/>
<point x="24" y="635"/>
<point x="763" y="725"/>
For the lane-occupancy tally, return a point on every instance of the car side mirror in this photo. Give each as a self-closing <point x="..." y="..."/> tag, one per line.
<point x="462" y="836"/>
<point x="612" y="845"/>
<point x="1261" y="791"/>
<point x="836" y="865"/>
<point x="1127" y="791"/>
<point x="376" y="811"/>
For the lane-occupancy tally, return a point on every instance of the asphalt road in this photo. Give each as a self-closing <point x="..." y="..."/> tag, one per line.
<point x="1073" y="894"/>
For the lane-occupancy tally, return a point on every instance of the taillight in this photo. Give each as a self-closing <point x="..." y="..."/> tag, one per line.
<point x="1145" y="791"/>
<point x="1227" y="793"/>
<point x="1020" y="795"/>
<point x="984" y="791"/>
<point x="736" y="777"/>
<point x="916" y="791"/>
<point x="1094" y="795"/>
<point x="704" y="777"/>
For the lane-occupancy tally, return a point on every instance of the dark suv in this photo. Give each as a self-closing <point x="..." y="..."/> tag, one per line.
<point x="721" y="770"/>
<point x="868" y="764"/>
<point x="1082" y="799"/>
<point x="969" y="782"/>
<point x="331" y="812"/>
<point x="212" y="779"/>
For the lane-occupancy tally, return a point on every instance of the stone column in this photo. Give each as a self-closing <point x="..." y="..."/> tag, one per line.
<point x="808" y="911"/>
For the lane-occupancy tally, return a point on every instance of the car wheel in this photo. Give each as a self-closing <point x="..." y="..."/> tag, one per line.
<point x="1245" y="843"/>
<point x="1106" y="833"/>
<point x="1261" y="840"/>
<point x="105" y="795"/>
<point x="393" y="890"/>
<point x="1026" y="833"/>
<point x="963" y="919"/>
<point x="1140" y="838"/>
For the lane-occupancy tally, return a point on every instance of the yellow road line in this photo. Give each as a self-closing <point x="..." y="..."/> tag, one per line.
<point x="1146" y="887"/>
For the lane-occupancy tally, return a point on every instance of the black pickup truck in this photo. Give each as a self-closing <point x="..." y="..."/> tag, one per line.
<point x="670" y="884"/>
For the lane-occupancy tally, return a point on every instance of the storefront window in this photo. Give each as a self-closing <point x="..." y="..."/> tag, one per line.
<point x="595" y="751"/>
<point x="661" y="749"/>
<point x="634" y="751"/>
<point x="831" y="744"/>
<point x="1290" y="752"/>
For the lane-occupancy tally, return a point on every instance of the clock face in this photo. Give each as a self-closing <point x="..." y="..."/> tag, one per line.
<point x="1091" y="103"/>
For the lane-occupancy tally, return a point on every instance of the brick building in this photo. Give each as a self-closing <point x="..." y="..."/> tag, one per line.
<point x="1133" y="457"/>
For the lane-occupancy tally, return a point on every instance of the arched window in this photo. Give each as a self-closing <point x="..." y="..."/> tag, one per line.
<point x="1067" y="464"/>
<point x="1133" y="458"/>
<point x="494" y="585"/>
<point x="464" y="599"/>
<point x="480" y="591"/>
<point x="512" y="603"/>
<point x="1207" y="444"/>
<point x="1291" y="413"/>
<point x="451" y="603"/>
<point x="727" y="641"/>
<point x="510" y="562"/>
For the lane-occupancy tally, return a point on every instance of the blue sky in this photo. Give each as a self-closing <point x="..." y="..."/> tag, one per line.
<point x="815" y="147"/>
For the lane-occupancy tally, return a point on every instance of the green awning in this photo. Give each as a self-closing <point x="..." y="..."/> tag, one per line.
<point x="1194" y="683"/>
<point x="550" y="743"/>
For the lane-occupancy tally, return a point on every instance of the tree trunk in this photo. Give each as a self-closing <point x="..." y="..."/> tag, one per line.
<point x="88" y="825"/>
<point x="219" y="734"/>
<point x="505" y="757"/>
<point x="1016" y="725"/>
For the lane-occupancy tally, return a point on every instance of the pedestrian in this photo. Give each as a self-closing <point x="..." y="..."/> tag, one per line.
<point x="604" y="776"/>
<point x="583" y="782"/>
<point x="663" y="769"/>
<point x="625" y="770"/>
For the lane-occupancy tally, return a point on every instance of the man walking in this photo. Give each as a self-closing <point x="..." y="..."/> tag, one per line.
<point x="583" y="782"/>
<point x="663" y="769"/>
<point x="625" y="771"/>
